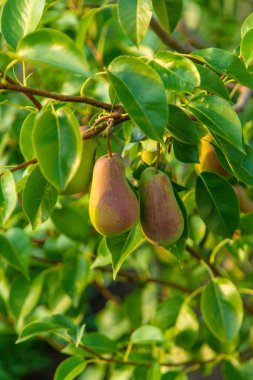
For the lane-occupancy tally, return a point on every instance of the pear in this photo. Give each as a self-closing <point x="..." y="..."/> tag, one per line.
<point x="82" y="179"/>
<point x="208" y="160"/>
<point x="246" y="204"/>
<point x="113" y="206"/>
<point x="162" y="220"/>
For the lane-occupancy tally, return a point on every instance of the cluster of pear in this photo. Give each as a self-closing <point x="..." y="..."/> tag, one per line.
<point x="208" y="161"/>
<point x="114" y="207"/>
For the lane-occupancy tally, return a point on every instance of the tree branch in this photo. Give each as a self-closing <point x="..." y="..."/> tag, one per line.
<point x="63" y="98"/>
<point x="169" y="40"/>
<point x="245" y="95"/>
<point x="29" y="96"/>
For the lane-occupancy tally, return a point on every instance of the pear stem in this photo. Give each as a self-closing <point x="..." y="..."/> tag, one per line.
<point x="157" y="158"/>
<point x="110" y="126"/>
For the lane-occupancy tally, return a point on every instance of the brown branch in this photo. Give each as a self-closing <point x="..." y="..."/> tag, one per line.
<point x="169" y="40"/>
<point x="29" y="96"/>
<point x="133" y="277"/>
<point x="245" y="95"/>
<point x="191" y="37"/>
<point x="63" y="98"/>
<point x="21" y="166"/>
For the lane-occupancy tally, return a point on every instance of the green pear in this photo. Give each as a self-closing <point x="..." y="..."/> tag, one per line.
<point x="208" y="160"/>
<point x="246" y="204"/>
<point x="113" y="206"/>
<point x="82" y="179"/>
<point x="162" y="220"/>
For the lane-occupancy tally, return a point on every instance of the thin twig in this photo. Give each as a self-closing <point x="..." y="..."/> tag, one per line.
<point x="169" y="40"/>
<point x="63" y="98"/>
<point x="245" y="95"/>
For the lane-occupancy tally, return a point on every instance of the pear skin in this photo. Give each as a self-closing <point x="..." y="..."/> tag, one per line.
<point x="246" y="204"/>
<point x="82" y="179"/>
<point x="162" y="220"/>
<point x="113" y="206"/>
<point x="208" y="160"/>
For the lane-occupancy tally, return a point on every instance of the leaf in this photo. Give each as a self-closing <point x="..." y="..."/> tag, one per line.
<point x="147" y="335"/>
<point x="72" y="219"/>
<point x="220" y="118"/>
<point x="54" y="48"/>
<point x="177" y="72"/>
<point x="25" y="139"/>
<point x="168" y="12"/>
<point x="246" y="49"/>
<point x="58" y="145"/>
<point x="103" y="257"/>
<point x="75" y="275"/>
<point x="99" y="343"/>
<point x="132" y="80"/>
<point x="167" y="312"/>
<point x="246" y="224"/>
<point x="8" y="196"/>
<point x="15" y="248"/>
<point x="233" y="370"/>
<point x="31" y="299"/>
<point x="247" y="25"/>
<point x="214" y="197"/>
<point x="226" y="63"/>
<point x="222" y="308"/>
<point x="186" y="152"/>
<point x="45" y="325"/>
<point x="20" y="17"/>
<point x="182" y="127"/>
<point x="187" y="327"/>
<point x="70" y="368"/>
<point x="122" y="246"/>
<point x="39" y="198"/>
<point x="134" y="18"/>
<point x="211" y="82"/>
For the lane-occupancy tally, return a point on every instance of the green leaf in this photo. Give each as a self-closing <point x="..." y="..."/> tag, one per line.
<point x="222" y="308"/>
<point x="31" y="299"/>
<point x="246" y="50"/>
<point x="8" y="196"/>
<point x="103" y="257"/>
<point x="226" y="63"/>
<point x="15" y="248"/>
<point x="147" y="335"/>
<point x="20" y="17"/>
<point x="233" y="370"/>
<point x="53" y="48"/>
<point x="167" y="312"/>
<point x="25" y="139"/>
<point x="168" y="12"/>
<point x="75" y="274"/>
<point x="188" y="153"/>
<point x="211" y="82"/>
<point x="246" y="224"/>
<point x="187" y="327"/>
<point x="121" y="246"/>
<point x="45" y="325"/>
<point x="182" y="127"/>
<point x="70" y="368"/>
<point x="39" y="198"/>
<point x="99" y="343"/>
<point x="134" y="18"/>
<point x="214" y="197"/>
<point x="58" y="145"/>
<point x="220" y="118"/>
<point x="247" y="25"/>
<point x="177" y="72"/>
<point x="132" y="80"/>
<point x="72" y="219"/>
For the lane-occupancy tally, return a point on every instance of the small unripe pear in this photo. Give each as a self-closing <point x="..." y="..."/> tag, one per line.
<point x="162" y="220"/>
<point x="246" y="204"/>
<point x="113" y="206"/>
<point x="82" y="179"/>
<point x="208" y="160"/>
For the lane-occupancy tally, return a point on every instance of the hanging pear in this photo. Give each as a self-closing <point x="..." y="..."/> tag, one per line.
<point x="113" y="206"/>
<point x="161" y="217"/>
